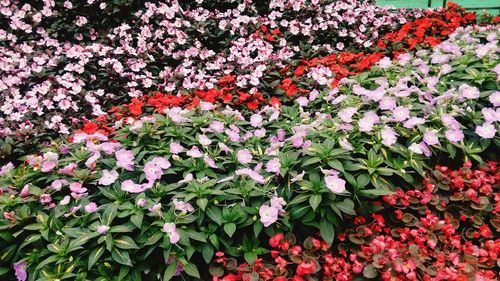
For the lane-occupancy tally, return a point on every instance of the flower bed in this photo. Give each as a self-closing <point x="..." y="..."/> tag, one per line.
<point x="215" y="127"/>
<point x="181" y="186"/>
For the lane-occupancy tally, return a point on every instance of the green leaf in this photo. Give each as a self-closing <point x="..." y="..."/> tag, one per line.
<point x="94" y="256"/>
<point x="215" y="214"/>
<point x="230" y="228"/>
<point x="84" y="238"/>
<point x="202" y="203"/>
<point x="208" y="252"/>
<point x="363" y="180"/>
<point x="3" y="270"/>
<point x="125" y="242"/>
<point x="191" y="270"/>
<point x="137" y="219"/>
<point x="250" y="257"/>
<point x="257" y="228"/>
<point x="346" y="206"/>
<point x="311" y="161"/>
<point x="336" y="164"/>
<point x="370" y="271"/>
<point x="326" y="230"/>
<point x="170" y="271"/>
<point x="193" y="234"/>
<point x="121" y="257"/>
<point x="109" y="214"/>
<point x="371" y="193"/>
<point x="314" y="201"/>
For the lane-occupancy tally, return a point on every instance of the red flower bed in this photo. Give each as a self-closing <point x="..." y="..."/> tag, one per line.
<point x="446" y="229"/>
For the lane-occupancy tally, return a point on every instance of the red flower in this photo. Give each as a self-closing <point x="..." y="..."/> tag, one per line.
<point x="299" y="70"/>
<point x="305" y="268"/>
<point x="485" y="231"/>
<point x="253" y="105"/>
<point x="275" y="102"/>
<point x="135" y="107"/>
<point x="275" y="241"/>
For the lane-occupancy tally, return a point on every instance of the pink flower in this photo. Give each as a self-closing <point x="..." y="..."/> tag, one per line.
<point x="108" y="177"/>
<point x="170" y="229"/>
<point x="431" y="137"/>
<point x="251" y="173"/>
<point x="141" y="202"/>
<point x="389" y="136"/>
<point x="125" y="159"/>
<point x="6" y="168"/>
<point x="217" y="126"/>
<point x="384" y="63"/>
<point x="244" y="156"/>
<point x="302" y="101"/>
<point x="68" y="169"/>
<point x="273" y="166"/>
<point x="102" y="229"/>
<point x="155" y="208"/>
<point x="132" y="187"/>
<point x="400" y="114"/>
<point x="183" y="206"/>
<point x="209" y="161"/>
<point x="256" y="120"/>
<point x="469" y="92"/>
<point x="91" y="207"/>
<point x="268" y="215"/>
<point x="194" y="152"/>
<point x="81" y="21"/>
<point x="20" y="271"/>
<point x="176" y="148"/>
<point x="494" y="98"/>
<point x="454" y="135"/>
<point x="25" y="192"/>
<point x="45" y="198"/>
<point x="48" y="166"/>
<point x="154" y="168"/>
<point x="345" y="144"/>
<point x="204" y="140"/>
<point x="297" y="140"/>
<point x="347" y="113"/>
<point x="335" y="184"/>
<point x="278" y="203"/>
<point x="415" y="148"/>
<point x="76" y="187"/>
<point x="298" y="177"/>
<point x="487" y="131"/>
<point x="65" y="200"/>
<point x="413" y="122"/>
<point x="57" y="184"/>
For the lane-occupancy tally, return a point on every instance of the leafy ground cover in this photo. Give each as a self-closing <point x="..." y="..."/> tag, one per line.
<point x="198" y="134"/>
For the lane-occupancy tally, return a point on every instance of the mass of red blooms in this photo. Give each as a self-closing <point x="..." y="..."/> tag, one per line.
<point x="447" y="229"/>
<point x="429" y="30"/>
